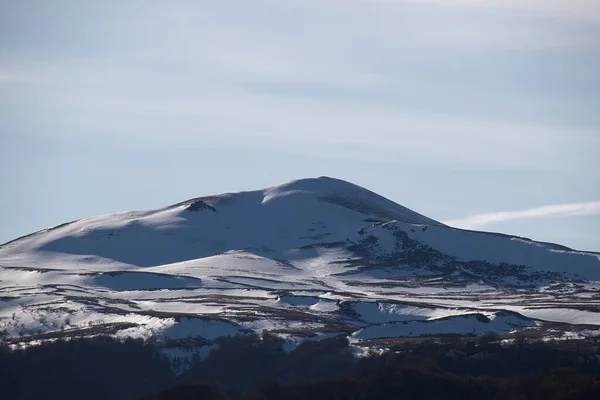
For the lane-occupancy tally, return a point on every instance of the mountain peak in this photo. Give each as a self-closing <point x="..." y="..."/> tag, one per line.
<point x="343" y="193"/>
<point x="322" y="183"/>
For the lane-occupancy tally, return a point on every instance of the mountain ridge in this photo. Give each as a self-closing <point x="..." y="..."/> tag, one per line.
<point x="315" y="257"/>
<point x="322" y="187"/>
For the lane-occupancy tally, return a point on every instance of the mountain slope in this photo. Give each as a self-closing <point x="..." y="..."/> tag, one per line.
<point x="312" y="257"/>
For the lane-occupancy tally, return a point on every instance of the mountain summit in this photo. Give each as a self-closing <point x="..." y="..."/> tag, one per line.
<point x="312" y="257"/>
<point x="279" y="217"/>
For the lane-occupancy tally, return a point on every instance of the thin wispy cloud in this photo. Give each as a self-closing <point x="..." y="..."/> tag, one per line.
<point x="563" y="9"/>
<point x="557" y="210"/>
<point x="9" y="77"/>
<point x="260" y="80"/>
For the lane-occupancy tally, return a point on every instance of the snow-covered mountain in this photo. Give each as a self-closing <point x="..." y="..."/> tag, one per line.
<point x="309" y="258"/>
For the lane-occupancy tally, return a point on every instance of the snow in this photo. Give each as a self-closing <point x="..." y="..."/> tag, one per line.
<point x="325" y="306"/>
<point x="470" y="245"/>
<point x="310" y="302"/>
<point x="373" y="313"/>
<point x="560" y="314"/>
<point x="204" y="328"/>
<point x="298" y="300"/>
<point x="280" y="259"/>
<point x="143" y="281"/>
<point x="459" y="325"/>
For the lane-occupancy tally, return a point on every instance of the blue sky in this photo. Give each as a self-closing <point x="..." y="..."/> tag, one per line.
<point x="481" y="113"/>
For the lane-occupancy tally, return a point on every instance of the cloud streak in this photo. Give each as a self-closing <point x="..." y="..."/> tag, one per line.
<point x="557" y="210"/>
<point x="562" y="9"/>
